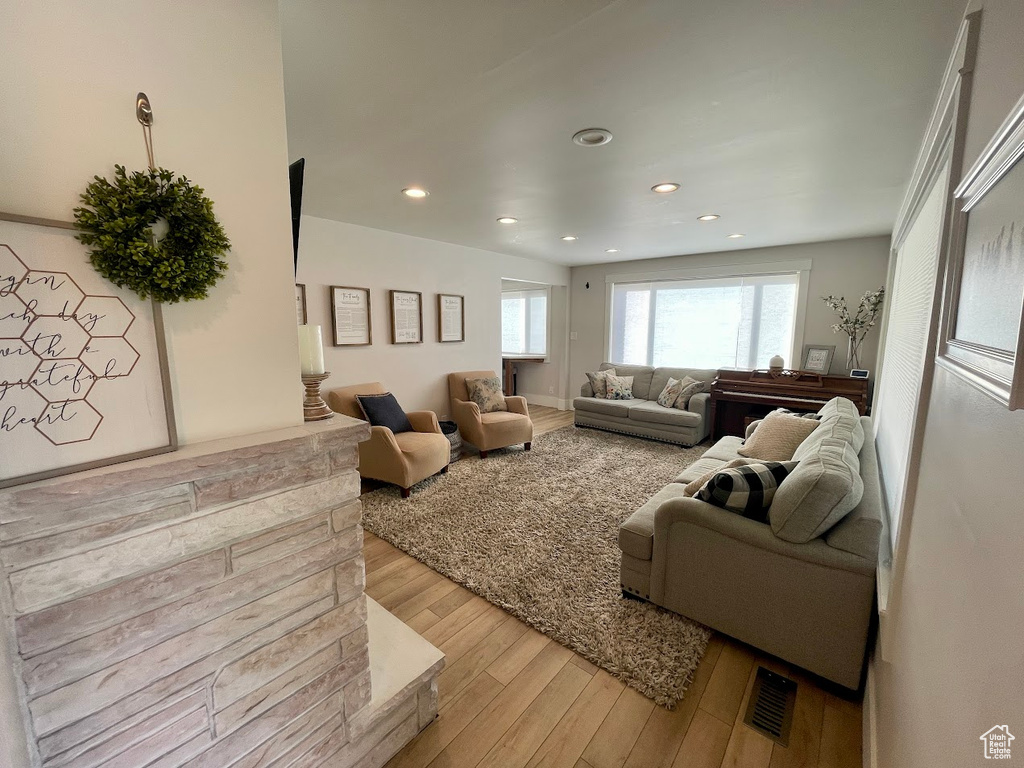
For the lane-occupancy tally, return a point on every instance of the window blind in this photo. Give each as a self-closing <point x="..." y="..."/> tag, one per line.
<point x="524" y="322"/>
<point x="704" y="323"/>
<point x="911" y="300"/>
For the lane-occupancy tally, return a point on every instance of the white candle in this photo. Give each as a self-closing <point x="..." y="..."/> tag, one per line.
<point x="311" y="349"/>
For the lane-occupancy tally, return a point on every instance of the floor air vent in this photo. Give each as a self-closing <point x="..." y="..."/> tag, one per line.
<point x="770" y="710"/>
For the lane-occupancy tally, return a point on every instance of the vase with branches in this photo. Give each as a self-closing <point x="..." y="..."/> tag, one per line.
<point x="856" y="325"/>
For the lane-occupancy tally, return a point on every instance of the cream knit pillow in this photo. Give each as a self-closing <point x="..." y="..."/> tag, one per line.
<point x="777" y="437"/>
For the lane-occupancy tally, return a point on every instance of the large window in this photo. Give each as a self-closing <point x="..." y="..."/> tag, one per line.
<point x="732" y="322"/>
<point x="524" y="322"/>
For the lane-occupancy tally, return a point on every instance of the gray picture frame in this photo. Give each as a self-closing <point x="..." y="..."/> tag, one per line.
<point x="829" y="350"/>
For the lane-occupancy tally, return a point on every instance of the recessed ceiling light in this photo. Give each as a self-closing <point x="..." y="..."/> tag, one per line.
<point x="665" y="187"/>
<point x="735" y="235"/>
<point x="416" y="192"/>
<point x="569" y="238"/>
<point x="611" y="250"/>
<point x="708" y="217"/>
<point x="507" y="220"/>
<point x="592" y="137"/>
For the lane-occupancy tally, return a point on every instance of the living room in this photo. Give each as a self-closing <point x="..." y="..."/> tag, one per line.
<point x="500" y="203"/>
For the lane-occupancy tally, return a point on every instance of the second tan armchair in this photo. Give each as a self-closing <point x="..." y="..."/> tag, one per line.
<point x="404" y="458"/>
<point x="488" y="431"/>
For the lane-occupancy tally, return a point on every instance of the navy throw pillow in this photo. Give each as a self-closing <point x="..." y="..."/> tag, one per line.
<point x="384" y="411"/>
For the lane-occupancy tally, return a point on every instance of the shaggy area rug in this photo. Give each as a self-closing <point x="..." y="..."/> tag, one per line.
<point x="535" y="533"/>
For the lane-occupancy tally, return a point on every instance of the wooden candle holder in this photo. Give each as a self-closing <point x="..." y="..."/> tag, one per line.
<point x="313" y="406"/>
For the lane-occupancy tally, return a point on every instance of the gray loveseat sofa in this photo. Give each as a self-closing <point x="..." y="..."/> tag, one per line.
<point x="801" y="586"/>
<point x="642" y="416"/>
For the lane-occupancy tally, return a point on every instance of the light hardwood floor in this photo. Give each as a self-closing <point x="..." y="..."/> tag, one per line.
<point x="512" y="698"/>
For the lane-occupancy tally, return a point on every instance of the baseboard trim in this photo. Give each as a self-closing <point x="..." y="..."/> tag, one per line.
<point x="869" y="726"/>
<point x="548" y="401"/>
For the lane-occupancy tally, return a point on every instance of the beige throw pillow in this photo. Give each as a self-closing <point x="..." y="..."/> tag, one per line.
<point x="487" y="394"/>
<point x="691" y="387"/>
<point x="599" y="382"/>
<point x="668" y="395"/>
<point x="777" y="437"/>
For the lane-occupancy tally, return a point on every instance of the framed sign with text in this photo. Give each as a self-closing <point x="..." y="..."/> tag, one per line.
<point x="350" y="308"/>
<point x="451" y="317"/>
<point x="406" y="317"/>
<point x="83" y="368"/>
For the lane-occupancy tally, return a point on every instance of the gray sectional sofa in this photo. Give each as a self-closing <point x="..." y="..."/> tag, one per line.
<point x="802" y="585"/>
<point x="642" y="416"/>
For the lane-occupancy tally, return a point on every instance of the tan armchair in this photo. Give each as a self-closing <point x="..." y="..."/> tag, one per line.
<point x="488" y="431"/>
<point x="403" y="459"/>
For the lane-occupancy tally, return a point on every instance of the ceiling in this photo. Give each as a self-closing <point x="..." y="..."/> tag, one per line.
<point x="794" y="120"/>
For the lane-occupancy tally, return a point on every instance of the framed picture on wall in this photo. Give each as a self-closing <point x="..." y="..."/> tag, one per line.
<point x="982" y="329"/>
<point x="818" y="357"/>
<point x="300" y="303"/>
<point x="84" y="380"/>
<point x="451" y="317"/>
<point x="406" y="317"/>
<point x="350" y="313"/>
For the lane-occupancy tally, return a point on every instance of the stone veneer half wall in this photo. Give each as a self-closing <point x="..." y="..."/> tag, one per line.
<point x="204" y="608"/>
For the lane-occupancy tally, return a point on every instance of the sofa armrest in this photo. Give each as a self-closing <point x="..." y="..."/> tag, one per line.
<point x="517" y="404"/>
<point x="464" y="410"/>
<point x="586" y="390"/>
<point x="424" y="421"/>
<point x="694" y="512"/>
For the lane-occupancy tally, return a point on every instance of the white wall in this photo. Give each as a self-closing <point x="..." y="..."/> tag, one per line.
<point x="335" y="253"/>
<point x="213" y="73"/>
<point x="847" y="267"/>
<point x="955" y="667"/>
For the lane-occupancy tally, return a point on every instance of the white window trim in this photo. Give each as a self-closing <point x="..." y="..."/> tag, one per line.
<point x="943" y="142"/>
<point x="800" y="267"/>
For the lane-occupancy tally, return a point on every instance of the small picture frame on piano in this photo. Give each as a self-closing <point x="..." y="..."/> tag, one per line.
<point x="818" y="357"/>
<point x="860" y="373"/>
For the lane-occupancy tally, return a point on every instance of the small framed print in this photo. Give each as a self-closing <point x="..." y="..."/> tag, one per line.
<point x="451" y="317"/>
<point x="860" y="373"/>
<point x="300" y="303"/>
<point x="818" y="357"/>
<point x="406" y="317"/>
<point x="350" y="312"/>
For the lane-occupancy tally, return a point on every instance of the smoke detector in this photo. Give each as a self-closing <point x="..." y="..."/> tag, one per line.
<point x="592" y="137"/>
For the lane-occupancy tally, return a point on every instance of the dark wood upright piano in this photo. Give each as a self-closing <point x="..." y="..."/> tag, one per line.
<point x="739" y="397"/>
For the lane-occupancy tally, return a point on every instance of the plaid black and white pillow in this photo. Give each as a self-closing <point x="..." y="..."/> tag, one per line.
<point x="747" y="490"/>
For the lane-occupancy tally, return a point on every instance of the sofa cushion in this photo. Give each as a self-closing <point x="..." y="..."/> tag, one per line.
<point x="641" y="378"/>
<point x="840" y="420"/>
<point x="661" y="376"/>
<point x="699" y="468"/>
<point x="725" y="449"/>
<point x="618" y="408"/>
<point x="487" y="394"/>
<point x="859" y="532"/>
<point x="636" y="535"/>
<point x="777" y="437"/>
<point x="823" y="488"/>
<point x="746" y="490"/>
<point x="384" y="411"/>
<point x="599" y="382"/>
<point x="650" y="411"/>
<point x="619" y="388"/>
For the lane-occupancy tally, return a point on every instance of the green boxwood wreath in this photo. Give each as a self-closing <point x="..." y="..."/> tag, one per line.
<point x="117" y="225"/>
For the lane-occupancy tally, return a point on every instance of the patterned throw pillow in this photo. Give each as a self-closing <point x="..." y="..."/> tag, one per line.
<point x="777" y="437"/>
<point x="693" y="486"/>
<point x="690" y="387"/>
<point x="487" y="394"/>
<point x="599" y="382"/>
<point x="668" y="395"/>
<point x="747" y="490"/>
<point x="620" y="388"/>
